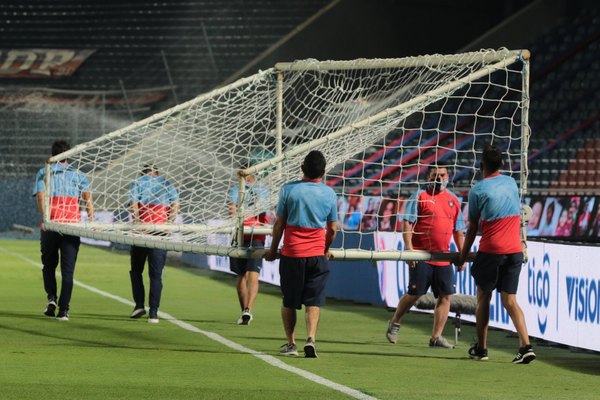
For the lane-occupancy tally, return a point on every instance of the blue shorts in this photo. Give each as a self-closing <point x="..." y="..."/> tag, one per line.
<point x="497" y="271"/>
<point x="424" y="275"/>
<point x="303" y="281"/>
<point x="242" y="265"/>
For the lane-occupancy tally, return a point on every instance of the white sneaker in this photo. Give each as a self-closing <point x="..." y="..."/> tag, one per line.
<point x="245" y="318"/>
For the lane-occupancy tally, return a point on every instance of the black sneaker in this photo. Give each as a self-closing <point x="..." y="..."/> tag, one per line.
<point x="245" y="318"/>
<point x="63" y="315"/>
<point x="50" y="308"/>
<point x="478" y="354"/>
<point x="138" y="312"/>
<point x="310" y="351"/>
<point x="525" y="355"/>
<point x="153" y="316"/>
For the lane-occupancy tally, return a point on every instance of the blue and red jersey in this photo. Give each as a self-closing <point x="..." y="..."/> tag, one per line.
<point x="495" y="201"/>
<point x="154" y="196"/>
<point x="436" y="216"/>
<point x="67" y="183"/>
<point x="254" y="193"/>
<point x="307" y="206"/>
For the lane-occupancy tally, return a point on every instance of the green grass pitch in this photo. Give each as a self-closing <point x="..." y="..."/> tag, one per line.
<point x="102" y="354"/>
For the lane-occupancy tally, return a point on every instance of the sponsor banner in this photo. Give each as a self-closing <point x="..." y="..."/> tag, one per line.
<point x="41" y="63"/>
<point x="559" y="290"/>
<point x="105" y="217"/>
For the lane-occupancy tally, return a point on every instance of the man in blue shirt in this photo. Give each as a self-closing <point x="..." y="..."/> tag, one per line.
<point x="68" y="186"/>
<point x="494" y="205"/>
<point x="307" y="212"/>
<point x="248" y="269"/>
<point x="153" y="200"/>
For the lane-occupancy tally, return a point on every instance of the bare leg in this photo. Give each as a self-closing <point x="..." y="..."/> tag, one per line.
<point x="242" y="290"/>
<point x="288" y="315"/>
<point x="482" y="316"/>
<point x="312" y="316"/>
<point x="405" y="304"/>
<point x="516" y="315"/>
<point x="440" y="315"/>
<point x="252" y="289"/>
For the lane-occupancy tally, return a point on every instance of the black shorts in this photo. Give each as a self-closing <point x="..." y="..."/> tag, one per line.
<point x="242" y="265"/>
<point x="497" y="271"/>
<point x="424" y="275"/>
<point x="303" y="281"/>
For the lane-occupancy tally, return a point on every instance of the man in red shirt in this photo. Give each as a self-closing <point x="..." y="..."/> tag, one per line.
<point x="432" y="217"/>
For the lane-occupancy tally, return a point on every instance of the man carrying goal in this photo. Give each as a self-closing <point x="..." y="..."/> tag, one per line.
<point x="248" y="269"/>
<point x="494" y="203"/>
<point x="153" y="200"/>
<point x="432" y="217"/>
<point x="307" y="212"/>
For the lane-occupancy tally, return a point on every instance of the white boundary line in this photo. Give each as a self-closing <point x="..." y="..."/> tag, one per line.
<point x="218" y="338"/>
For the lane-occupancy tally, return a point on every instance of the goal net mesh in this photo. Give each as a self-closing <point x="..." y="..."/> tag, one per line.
<point x="380" y="124"/>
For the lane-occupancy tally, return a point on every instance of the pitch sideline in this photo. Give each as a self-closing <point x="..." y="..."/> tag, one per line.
<point x="218" y="338"/>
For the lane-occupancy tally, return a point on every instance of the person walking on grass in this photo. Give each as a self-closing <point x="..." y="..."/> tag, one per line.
<point x="68" y="187"/>
<point x="153" y="200"/>
<point x="432" y="218"/>
<point x="248" y="269"/>
<point x="307" y="213"/>
<point x="495" y="206"/>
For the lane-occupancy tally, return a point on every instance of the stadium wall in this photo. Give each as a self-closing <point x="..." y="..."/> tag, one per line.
<point x="17" y="204"/>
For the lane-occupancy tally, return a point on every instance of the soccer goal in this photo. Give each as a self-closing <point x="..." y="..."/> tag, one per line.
<point x="380" y="124"/>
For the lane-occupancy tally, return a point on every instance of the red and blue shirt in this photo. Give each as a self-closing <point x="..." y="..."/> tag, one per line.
<point x="255" y="194"/>
<point x="307" y="206"/>
<point x="436" y="216"/>
<point x="495" y="201"/>
<point x="154" y="196"/>
<point x="66" y="183"/>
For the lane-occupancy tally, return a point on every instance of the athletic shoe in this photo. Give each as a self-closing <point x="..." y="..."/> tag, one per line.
<point x="50" y="308"/>
<point x="289" y="350"/>
<point x="63" y="315"/>
<point x="310" y="350"/>
<point x="138" y="312"/>
<point x="153" y="317"/>
<point x="392" y="331"/>
<point x="245" y="318"/>
<point x="440" y="342"/>
<point x="478" y="354"/>
<point x="525" y="355"/>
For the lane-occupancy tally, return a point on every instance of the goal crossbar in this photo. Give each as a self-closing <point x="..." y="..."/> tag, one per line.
<point x="431" y="95"/>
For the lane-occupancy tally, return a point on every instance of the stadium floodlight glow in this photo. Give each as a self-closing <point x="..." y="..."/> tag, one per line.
<point x="380" y="124"/>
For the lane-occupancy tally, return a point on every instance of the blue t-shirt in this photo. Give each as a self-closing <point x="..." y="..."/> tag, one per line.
<point x="307" y="207"/>
<point x="495" y="201"/>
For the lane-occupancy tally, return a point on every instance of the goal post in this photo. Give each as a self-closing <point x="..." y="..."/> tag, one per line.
<point x="380" y="124"/>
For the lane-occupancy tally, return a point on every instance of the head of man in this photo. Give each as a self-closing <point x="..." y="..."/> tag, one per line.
<point x="150" y="169"/>
<point x="491" y="159"/>
<point x="60" y="146"/>
<point x="313" y="166"/>
<point x="437" y="177"/>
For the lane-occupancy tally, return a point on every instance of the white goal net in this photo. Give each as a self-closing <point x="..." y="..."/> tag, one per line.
<point x="380" y="124"/>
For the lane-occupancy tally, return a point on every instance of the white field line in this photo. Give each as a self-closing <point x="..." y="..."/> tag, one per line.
<point x="218" y="338"/>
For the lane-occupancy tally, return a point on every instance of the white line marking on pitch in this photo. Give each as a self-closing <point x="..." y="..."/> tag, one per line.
<point x="218" y="338"/>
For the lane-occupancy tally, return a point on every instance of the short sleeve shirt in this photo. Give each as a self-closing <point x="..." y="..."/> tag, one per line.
<point x="67" y="184"/>
<point x="154" y="196"/>
<point x="495" y="202"/>
<point x="307" y="206"/>
<point x="435" y="217"/>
